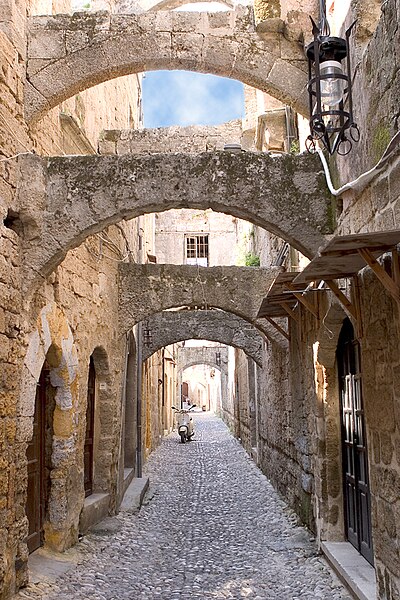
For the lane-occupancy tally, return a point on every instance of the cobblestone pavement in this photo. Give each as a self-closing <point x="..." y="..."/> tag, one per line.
<point x="212" y="527"/>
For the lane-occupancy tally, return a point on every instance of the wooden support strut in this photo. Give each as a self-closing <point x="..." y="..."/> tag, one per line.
<point x="333" y="286"/>
<point x="396" y="266"/>
<point x="308" y="305"/>
<point x="289" y="311"/>
<point x="389" y="284"/>
<point x="278" y="328"/>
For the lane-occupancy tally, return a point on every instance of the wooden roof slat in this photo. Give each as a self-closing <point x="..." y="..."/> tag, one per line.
<point x="341" y="256"/>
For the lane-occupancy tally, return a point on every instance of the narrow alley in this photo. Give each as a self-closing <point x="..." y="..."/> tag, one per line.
<point x="211" y="527"/>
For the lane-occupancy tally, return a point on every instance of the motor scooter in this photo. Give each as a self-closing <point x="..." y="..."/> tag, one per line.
<point x="184" y="423"/>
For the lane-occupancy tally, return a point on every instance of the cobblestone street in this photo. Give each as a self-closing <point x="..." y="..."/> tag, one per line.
<point x="211" y="527"/>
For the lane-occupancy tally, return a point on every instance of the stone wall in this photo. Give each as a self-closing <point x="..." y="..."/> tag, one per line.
<point x="192" y="139"/>
<point x="67" y="310"/>
<point x="173" y="226"/>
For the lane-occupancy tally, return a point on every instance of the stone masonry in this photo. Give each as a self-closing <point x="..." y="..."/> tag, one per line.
<point x="67" y="54"/>
<point x="193" y="139"/>
<point x="169" y="327"/>
<point x="66" y="199"/>
<point x="148" y="289"/>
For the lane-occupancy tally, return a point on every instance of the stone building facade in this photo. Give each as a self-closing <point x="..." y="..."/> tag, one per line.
<point x="71" y="224"/>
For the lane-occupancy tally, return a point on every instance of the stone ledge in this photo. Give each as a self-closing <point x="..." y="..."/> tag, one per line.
<point x="94" y="510"/>
<point x="352" y="569"/>
<point x="134" y="495"/>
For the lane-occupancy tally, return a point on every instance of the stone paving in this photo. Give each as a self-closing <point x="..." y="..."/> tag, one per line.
<point x="212" y="527"/>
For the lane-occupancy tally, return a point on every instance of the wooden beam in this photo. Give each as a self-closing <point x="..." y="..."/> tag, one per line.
<point x="333" y="286"/>
<point x="278" y="328"/>
<point x="289" y="311"/>
<point x="357" y="305"/>
<point x="388" y="283"/>
<point x="308" y="305"/>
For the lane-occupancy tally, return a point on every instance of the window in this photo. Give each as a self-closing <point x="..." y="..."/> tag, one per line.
<point x="196" y="250"/>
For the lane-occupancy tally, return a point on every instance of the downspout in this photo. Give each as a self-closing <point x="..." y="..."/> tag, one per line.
<point x="363" y="180"/>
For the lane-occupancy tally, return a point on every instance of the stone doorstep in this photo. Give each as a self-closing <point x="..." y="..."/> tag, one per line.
<point x="95" y="509"/>
<point x="46" y="566"/>
<point x="352" y="569"/>
<point x="134" y="495"/>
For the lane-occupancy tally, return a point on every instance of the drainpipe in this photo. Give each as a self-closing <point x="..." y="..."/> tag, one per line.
<point x="139" y="443"/>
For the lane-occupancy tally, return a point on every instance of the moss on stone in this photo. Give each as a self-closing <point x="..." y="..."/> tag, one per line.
<point x="267" y="9"/>
<point x="380" y="140"/>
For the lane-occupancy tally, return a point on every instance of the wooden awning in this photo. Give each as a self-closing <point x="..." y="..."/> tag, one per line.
<point x="281" y="299"/>
<point x="279" y="295"/>
<point x="346" y="255"/>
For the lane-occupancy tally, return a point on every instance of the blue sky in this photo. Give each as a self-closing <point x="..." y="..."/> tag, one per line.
<point x="185" y="98"/>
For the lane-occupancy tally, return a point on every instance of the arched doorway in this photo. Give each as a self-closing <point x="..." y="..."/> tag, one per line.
<point x="39" y="460"/>
<point x="357" y="505"/>
<point x="131" y="416"/>
<point x="89" y="436"/>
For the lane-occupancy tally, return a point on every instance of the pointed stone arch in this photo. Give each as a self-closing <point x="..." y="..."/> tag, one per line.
<point x="68" y="54"/>
<point x="104" y="448"/>
<point x="170" y="327"/>
<point x="52" y="340"/>
<point x="64" y="200"/>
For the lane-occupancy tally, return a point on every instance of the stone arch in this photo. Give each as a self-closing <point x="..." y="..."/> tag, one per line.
<point x="154" y="5"/>
<point x="53" y="340"/>
<point x="205" y="355"/>
<point x="170" y="327"/>
<point x="174" y="286"/>
<point x="104" y="449"/>
<point x="130" y="409"/>
<point x="67" y="54"/>
<point x="64" y="200"/>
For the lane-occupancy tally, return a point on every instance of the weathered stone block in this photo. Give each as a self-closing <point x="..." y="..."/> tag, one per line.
<point x="48" y="45"/>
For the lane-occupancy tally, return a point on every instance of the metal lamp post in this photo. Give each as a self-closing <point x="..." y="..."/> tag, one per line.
<point x="330" y="89"/>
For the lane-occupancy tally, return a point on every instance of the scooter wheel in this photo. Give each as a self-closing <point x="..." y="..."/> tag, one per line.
<point x="183" y="438"/>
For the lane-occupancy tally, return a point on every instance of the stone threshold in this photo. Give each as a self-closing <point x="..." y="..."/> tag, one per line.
<point x="352" y="569"/>
<point x="46" y="566"/>
<point x="95" y="508"/>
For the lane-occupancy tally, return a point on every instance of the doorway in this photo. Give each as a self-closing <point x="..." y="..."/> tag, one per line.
<point x="39" y="461"/>
<point x="357" y="502"/>
<point x="89" y="437"/>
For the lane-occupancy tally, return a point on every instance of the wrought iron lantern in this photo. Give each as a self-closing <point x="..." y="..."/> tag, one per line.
<point x="330" y="89"/>
<point x="218" y="358"/>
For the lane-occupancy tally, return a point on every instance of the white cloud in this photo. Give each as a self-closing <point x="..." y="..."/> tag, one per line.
<point x="185" y="98"/>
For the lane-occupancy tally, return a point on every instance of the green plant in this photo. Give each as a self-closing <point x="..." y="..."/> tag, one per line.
<point x="295" y="147"/>
<point x="380" y="140"/>
<point x="251" y="260"/>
